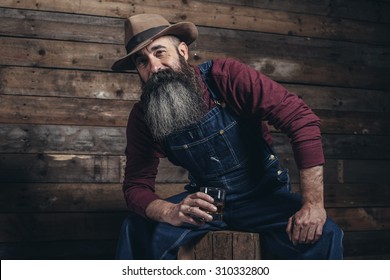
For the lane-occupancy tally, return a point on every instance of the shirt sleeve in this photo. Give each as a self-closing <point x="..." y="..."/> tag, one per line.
<point x="251" y="94"/>
<point x="142" y="159"/>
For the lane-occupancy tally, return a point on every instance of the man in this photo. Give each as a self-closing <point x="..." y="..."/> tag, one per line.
<point x="208" y="119"/>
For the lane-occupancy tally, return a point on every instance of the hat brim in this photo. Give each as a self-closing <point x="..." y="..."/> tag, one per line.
<point x="185" y="31"/>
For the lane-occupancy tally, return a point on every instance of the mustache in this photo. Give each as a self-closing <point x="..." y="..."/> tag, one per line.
<point x="163" y="77"/>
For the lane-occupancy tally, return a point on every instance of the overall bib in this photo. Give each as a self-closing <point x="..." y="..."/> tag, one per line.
<point x="224" y="150"/>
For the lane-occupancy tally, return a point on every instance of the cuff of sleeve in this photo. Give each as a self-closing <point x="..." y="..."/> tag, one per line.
<point x="137" y="201"/>
<point x="309" y="155"/>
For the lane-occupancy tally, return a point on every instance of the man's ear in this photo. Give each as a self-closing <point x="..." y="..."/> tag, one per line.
<point x="183" y="50"/>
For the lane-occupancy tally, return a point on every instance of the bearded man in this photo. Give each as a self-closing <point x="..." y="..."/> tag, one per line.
<point x="209" y="119"/>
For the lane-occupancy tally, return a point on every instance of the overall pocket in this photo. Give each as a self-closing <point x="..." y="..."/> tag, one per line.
<point x="217" y="153"/>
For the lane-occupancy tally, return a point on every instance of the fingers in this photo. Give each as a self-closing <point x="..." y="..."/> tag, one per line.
<point x="194" y="214"/>
<point x="300" y="232"/>
<point x="318" y="233"/>
<point x="289" y="228"/>
<point x="296" y="231"/>
<point x="200" y="200"/>
<point x="196" y="208"/>
<point x="311" y="234"/>
<point x="188" y="215"/>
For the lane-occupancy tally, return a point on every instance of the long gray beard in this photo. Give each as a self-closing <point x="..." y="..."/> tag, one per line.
<point x="172" y="101"/>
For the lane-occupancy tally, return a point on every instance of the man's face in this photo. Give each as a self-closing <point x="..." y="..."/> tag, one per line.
<point x="161" y="54"/>
<point x="171" y="95"/>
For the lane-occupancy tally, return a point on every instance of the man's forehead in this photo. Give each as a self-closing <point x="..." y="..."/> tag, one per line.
<point x="162" y="42"/>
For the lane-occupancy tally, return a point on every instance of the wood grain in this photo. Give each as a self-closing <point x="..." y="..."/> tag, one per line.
<point x="63" y="113"/>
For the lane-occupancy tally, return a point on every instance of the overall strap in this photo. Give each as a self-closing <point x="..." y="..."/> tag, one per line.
<point x="205" y="70"/>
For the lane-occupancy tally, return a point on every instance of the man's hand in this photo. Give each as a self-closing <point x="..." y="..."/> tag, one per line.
<point x="305" y="226"/>
<point x="190" y="210"/>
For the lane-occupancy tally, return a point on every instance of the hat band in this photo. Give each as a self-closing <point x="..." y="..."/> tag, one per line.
<point x="143" y="36"/>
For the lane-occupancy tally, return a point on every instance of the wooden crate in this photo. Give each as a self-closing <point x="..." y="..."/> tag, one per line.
<point x="223" y="245"/>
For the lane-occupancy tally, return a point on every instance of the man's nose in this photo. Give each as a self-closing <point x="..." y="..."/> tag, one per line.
<point x="155" y="65"/>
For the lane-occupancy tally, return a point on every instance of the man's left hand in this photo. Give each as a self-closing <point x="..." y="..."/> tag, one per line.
<point x="305" y="227"/>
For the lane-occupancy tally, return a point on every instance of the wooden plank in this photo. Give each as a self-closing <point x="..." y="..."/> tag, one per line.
<point x="361" y="219"/>
<point x="68" y="83"/>
<point x="357" y="245"/>
<point x="59" y="250"/>
<point x="48" y="197"/>
<point x="108" y="114"/>
<point x="56" y="110"/>
<point x="356" y="171"/>
<point x="69" y="197"/>
<point x="92" y="197"/>
<point x="365" y="244"/>
<point x="375" y="11"/>
<point x="24" y="138"/>
<point x="355" y="123"/>
<point x="338" y="146"/>
<point x="63" y="168"/>
<point x="75" y="55"/>
<point x="246" y="44"/>
<point x="71" y="27"/>
<point x="357" y="195"/>
<point x="225" y="16"/>
<point x="60" y="168"/>
<point x="353" y="195"/>
<point x="60" y="26"/>
<point x="342" y="99"/>
<point x="67" y="168"/>
<point x="124" y="86"/>
<point x="69" y="111"/>
<point x="370" y="257"/>
<point x="294" y="71"/>
<point x="16" y="227"/>
<point x="60" y="54"/>
<point x="356" y="146"/>
<point x="204" y="248"/>
<point x="114" y="113"/>
<point x="222" y="247"/>
<point x="74" y="139"/>
<point x="185" y="252"/>
<point x="271" y="48"/>
<point x="60" y="226"/>
<point x="363" y="10"/>
<point x="246" y="246"/>
<point x="95" y="140"/>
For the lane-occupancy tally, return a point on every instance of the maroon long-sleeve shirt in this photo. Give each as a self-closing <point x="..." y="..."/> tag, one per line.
<point x="251" y="95"/>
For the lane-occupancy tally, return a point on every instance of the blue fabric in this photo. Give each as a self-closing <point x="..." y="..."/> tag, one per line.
<point x="216" y="152"/>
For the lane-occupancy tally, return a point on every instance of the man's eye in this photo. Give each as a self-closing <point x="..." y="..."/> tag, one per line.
<point x="160" y="53"/>
<point x="140" y="62"/>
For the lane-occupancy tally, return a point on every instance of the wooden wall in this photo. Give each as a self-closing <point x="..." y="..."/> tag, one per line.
<point x="63" y="112"/>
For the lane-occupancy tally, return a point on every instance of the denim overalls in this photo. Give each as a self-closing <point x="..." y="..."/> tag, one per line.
<point x="223" y="150"/>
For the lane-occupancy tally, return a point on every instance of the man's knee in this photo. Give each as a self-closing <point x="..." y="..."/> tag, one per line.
<point x="134" y="223"/>
<point x="128" y="225"/>
<point x="335" y="235"/>
<point x="333" y="229"/>
<point x="134" y="238"/>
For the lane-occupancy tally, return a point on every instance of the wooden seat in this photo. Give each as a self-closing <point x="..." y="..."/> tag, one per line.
<point x="223" y="245"/>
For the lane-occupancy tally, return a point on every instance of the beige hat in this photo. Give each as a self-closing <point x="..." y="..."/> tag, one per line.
<point x="142" y="29"/>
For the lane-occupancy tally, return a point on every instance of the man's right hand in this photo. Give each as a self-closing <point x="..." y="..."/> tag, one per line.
<point x="191" y="210"/>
